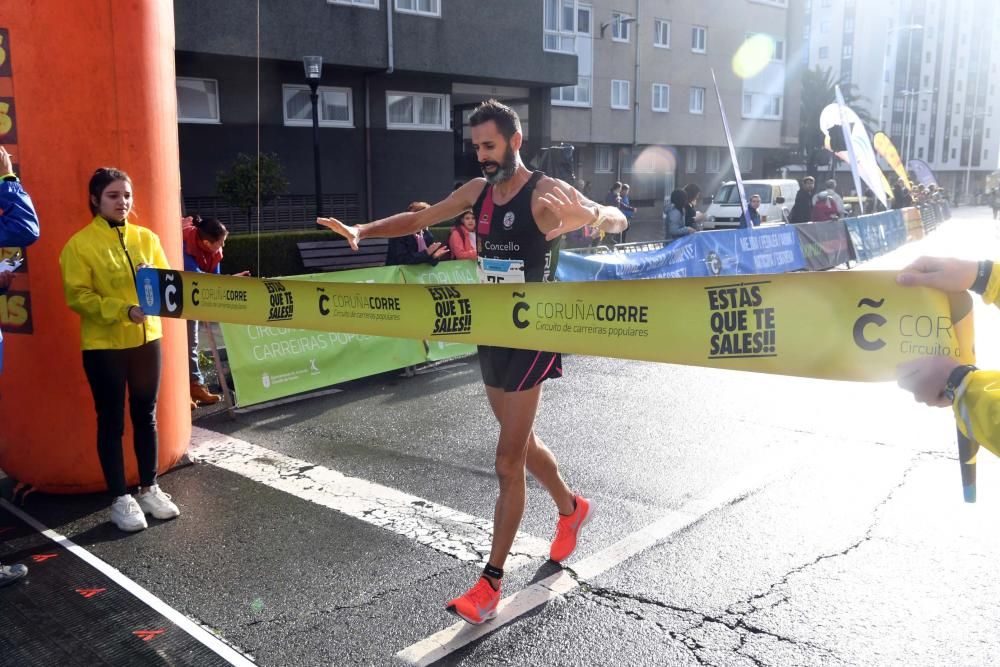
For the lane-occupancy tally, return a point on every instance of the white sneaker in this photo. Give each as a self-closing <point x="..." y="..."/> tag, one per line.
<point x="156" y="502"/>
<point x="127" y="515"/>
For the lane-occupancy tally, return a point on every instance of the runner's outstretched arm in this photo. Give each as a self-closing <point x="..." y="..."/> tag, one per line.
<point x="406" y="223"/>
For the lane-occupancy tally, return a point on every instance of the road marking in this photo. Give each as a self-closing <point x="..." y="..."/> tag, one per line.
<point x="202" y="635"/>
<point x="447" y="641"/>
<point x="441" y="528"/>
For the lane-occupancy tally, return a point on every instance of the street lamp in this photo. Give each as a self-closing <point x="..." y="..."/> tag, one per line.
<point x="314" y="70"/>
<point x="885" y="58"/>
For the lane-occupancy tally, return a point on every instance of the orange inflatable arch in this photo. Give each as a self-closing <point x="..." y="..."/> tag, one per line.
<point x="82" y="85"/>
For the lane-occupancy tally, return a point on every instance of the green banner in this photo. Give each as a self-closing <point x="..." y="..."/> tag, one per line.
<point x="455" y="272"/>
<point x="268" y="363"/>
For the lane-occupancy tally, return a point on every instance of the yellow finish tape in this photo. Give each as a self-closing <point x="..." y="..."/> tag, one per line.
<point x="854" y="325"/>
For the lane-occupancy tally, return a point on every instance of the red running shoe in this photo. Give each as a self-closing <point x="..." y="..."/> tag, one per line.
<point x="568" y="529"/>
<point x="478" y="604"/>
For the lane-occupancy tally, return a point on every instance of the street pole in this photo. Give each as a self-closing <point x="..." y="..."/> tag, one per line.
<point x="314" y="70"/>
<point x="972" y="132"/>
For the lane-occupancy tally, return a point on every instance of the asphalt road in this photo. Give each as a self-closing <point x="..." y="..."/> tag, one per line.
<point x="794" y="522"/>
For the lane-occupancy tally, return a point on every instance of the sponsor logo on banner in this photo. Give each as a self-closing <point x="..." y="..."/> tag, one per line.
<point x="452" y="311"/>
<point x="15" y="305"/>
<point x="217" y="297"/>
<point x="742" y="324"/>
<point x="281" y="305"/>
<point x="357" y="306"/>
<point x="167" y="287"/>
<point x="520" y="308"/>
<point x="920" y="334"/>
<point x="604" y="319"/>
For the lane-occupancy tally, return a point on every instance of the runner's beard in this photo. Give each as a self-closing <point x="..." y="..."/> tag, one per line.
<point x="504" y="171"/>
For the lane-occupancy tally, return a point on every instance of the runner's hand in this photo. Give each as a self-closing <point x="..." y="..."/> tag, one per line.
<point x="568" y="209"/>
<point x="352" y="234"/>
<point x="926" y="378"/>
<point x="6" y="162"/>
<point x="949" y="275"/>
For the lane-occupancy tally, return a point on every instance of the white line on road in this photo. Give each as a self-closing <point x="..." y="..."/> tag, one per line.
<point x="441" y="528"/>
<point x="452" y="638"/>
<point x="199" y="633"/>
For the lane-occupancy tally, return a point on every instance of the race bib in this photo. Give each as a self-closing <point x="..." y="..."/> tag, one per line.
<point x="496" y="271"/>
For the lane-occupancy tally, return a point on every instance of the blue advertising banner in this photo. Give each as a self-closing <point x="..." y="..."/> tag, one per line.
<point x="715" y="253"/>
<point x="876" y="234"/>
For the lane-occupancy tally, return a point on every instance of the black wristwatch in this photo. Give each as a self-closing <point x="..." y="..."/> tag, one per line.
<point x="955" y="379"/>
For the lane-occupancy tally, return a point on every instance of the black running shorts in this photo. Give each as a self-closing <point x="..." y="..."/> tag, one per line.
<point x="517" y="370"/>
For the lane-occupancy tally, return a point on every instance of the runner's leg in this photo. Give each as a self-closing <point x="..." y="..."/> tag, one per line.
<point x="540" y="461"/>
<point x="518" y="409"/>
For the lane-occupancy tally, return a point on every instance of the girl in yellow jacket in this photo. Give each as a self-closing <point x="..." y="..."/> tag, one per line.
<point x="121" y="345"/>
<point x="972" y="393"/>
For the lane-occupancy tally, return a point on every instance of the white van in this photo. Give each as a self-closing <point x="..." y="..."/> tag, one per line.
<point x="776" y="199"/>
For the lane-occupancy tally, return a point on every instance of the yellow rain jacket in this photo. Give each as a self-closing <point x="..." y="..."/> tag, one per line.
<point x="977" y="401"/>
<point x="98" y="267"/>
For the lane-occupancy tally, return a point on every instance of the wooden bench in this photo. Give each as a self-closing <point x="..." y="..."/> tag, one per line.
<point x="336" y="255"/>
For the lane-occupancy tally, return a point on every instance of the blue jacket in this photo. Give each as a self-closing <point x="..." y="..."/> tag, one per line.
<point x="18" y="223"/>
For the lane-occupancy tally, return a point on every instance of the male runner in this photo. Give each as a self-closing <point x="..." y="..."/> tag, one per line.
<point x="518" y="214"/>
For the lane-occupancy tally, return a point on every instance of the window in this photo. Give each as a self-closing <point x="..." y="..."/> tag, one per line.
<point x="848" y="51"/>
<point x="578" y="95"/>
<point x="602" y="159"/>
<point x="198" y="100"/>
<point x="987" y="133"/>
<point x="923" y="129"/>
<point x="824" y="53"/>
<point x="923" y="105"/>
<point x="619" y="28"/>
<point x="920" y="152"/>
<point x="958" y="108"/>
<point x="778" y="54"/>
<point x="897" y="104"/>
<point x="335" y="108"/>
<point x="897" y="129"/>
<point x="713" y="157"/>
<point x="560" y="24"/>
<point x="417" y="111"/>
<point x="849" y="24"/>
<point x="954" y="153"/>
<point x="373" y="4"/>
<point x="745" y="157"/>
<point x="986" y="154"/>
<point x="824" y="27"/>
<point x="661" y="97"/>
<point x="691" y="160"/>
<point x="423" y="7"/>
<point x="762" y="105"/>
<point x="619" y="94"/>
<point x="696" y="101"/>
<point x="927" y="57"/>
<point x="661" y="34"/>
<point x="954" y="131"/>
<point x="699" y="39"/>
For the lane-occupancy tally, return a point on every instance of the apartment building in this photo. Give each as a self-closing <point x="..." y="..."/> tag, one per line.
<point x="929" y="69"/>
<point x="398" y="80"/>
<point x="644" y="108"/>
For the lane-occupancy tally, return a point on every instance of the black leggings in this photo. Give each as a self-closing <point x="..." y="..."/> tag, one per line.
<point x="108" y="372"/>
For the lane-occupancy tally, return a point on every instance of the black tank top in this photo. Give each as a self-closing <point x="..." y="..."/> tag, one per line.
<point x="511" y="247"/>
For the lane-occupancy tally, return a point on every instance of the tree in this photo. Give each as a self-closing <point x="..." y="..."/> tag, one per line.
<point x="817" y="92"/>
<point x="239" y="186"/>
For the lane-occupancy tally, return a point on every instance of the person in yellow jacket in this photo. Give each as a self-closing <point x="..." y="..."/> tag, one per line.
<point x="973" y="394"/>
<point x="121" y="345"/>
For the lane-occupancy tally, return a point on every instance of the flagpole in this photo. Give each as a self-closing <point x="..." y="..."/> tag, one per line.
<point x="732" y="155"/>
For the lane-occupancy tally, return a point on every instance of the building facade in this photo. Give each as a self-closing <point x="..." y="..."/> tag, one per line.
<point x="930" y="70"/>
<point x="644" y="109"/>
<point x="398" y="80"/>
